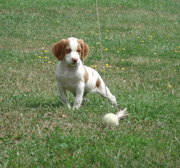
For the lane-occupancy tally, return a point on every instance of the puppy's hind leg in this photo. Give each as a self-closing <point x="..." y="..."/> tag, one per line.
<point x="103" y="90"/>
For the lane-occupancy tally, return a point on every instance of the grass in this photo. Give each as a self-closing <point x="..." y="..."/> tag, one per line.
<point x="140" y="41"/>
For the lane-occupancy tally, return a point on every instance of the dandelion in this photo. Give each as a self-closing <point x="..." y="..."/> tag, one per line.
<point x="170" y="86"/>
<point x="122" y="60"/>
<point x="107" y="30"/>
<point x="90" y="10"/>
<point x="179" y="46"/>
<point x="117" y="51"/>
<point x="175" y="51"/>
<point x="142" y="41"/>
<point x="174" y="70"/>
<point x="123" y="48"/>
<point x="123" y="69"/>
<point x="39" y="57"/>
<point x="138" y="37"/>
<point x="45" y="57"/>
<point x="107" y="65"/>
<point x="98" y="43"/>
<point x="92" y="66"/>
<point x="151" y="37"/>
<point x="105" y="49"/>
<point x="106" y="26"/>
<point x="49" y="62"/>
<point x="95" y="66"/>
<point x="57" y="21"/>
<point x="45" y="51"/>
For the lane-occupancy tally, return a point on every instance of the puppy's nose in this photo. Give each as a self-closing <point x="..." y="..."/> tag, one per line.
<point x="74" y="60"/>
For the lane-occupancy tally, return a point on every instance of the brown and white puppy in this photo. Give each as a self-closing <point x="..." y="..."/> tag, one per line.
<point x="72" y="75"/>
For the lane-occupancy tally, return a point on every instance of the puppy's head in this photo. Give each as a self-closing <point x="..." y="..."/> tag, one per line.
<point x="70" y="50"/>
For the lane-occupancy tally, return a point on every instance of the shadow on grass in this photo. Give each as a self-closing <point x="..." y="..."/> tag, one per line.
<point x="45" y="104"/>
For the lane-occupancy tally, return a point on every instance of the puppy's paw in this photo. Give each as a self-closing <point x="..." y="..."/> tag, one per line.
<point x="113" y="100"/>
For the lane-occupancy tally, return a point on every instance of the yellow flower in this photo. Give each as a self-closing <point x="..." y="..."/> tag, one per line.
<point x="92" y="66"/>
<point x="95" y="66"/>
<point x="45" y="57"/>
<point x="90" y="10"/>
<point x="151" y="37"/>
<point x="175" y="51"/>
<point x="57" y="21"/>
<point x="174" y="70"/>
<point x="107" y="30"/>
<point x="170" y="86"/>
<point x="139" y="26"/>
<point x="105" y="49"/>
<point x="123" y="69"/>
<point x="101" y="70"/>
<point x="122" y="60"/>
<point x="107" y="65"/>
<point x="98" y="43"/>
<point x="123" y="48"/>
<point x="117" y="51"/>
<point x="138" y="37"/>
<point x="49" y="62"/>
<point x="39" y="56"/>
<point x="179" y="46"/>
<point x="106" y="26"/>
<point x="142" y="41"/>
<point x="45" y="51"/>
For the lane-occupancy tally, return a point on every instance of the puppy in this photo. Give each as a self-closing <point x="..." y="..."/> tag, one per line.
<point x="72" y="75"/>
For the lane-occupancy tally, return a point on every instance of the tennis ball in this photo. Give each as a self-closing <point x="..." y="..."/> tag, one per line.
<point x="111" y="120"/>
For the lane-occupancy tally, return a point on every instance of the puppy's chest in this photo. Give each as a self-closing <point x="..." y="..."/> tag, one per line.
<point x="70" y="79"/>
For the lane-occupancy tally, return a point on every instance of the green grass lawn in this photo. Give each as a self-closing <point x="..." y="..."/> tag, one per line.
<point x="141" y="45"/>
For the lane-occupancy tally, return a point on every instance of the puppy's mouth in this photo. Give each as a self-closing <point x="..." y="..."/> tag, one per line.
<point x="74" y="63"/>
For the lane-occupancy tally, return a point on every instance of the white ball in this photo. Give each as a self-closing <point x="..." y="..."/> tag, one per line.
<point x="111" y="120"/>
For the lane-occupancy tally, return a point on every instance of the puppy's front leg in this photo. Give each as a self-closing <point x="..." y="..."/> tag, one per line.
<point x="63" y="95"/>
<point x="79" y="96"/>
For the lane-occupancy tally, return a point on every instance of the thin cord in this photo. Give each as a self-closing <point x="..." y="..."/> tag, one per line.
<point x="102" y="57"/>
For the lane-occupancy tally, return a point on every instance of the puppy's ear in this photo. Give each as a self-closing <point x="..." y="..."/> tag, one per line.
<point x="58" y="49"/>
<point x="85" y="49"/>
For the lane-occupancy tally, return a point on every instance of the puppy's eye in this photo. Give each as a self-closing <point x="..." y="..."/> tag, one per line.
<point x="68" y="50"/>
<point x="78" y="51"/>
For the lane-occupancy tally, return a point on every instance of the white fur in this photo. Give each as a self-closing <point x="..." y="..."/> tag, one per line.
<point x="70" y="76"/>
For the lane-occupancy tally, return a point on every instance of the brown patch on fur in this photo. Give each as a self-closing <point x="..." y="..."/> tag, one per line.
<point x="60" y="48"/>
<point x="98" y="83"/>
<point x="92" y="73"/>
<point x="84" y="49"/>
<point x="86" y="75"/>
